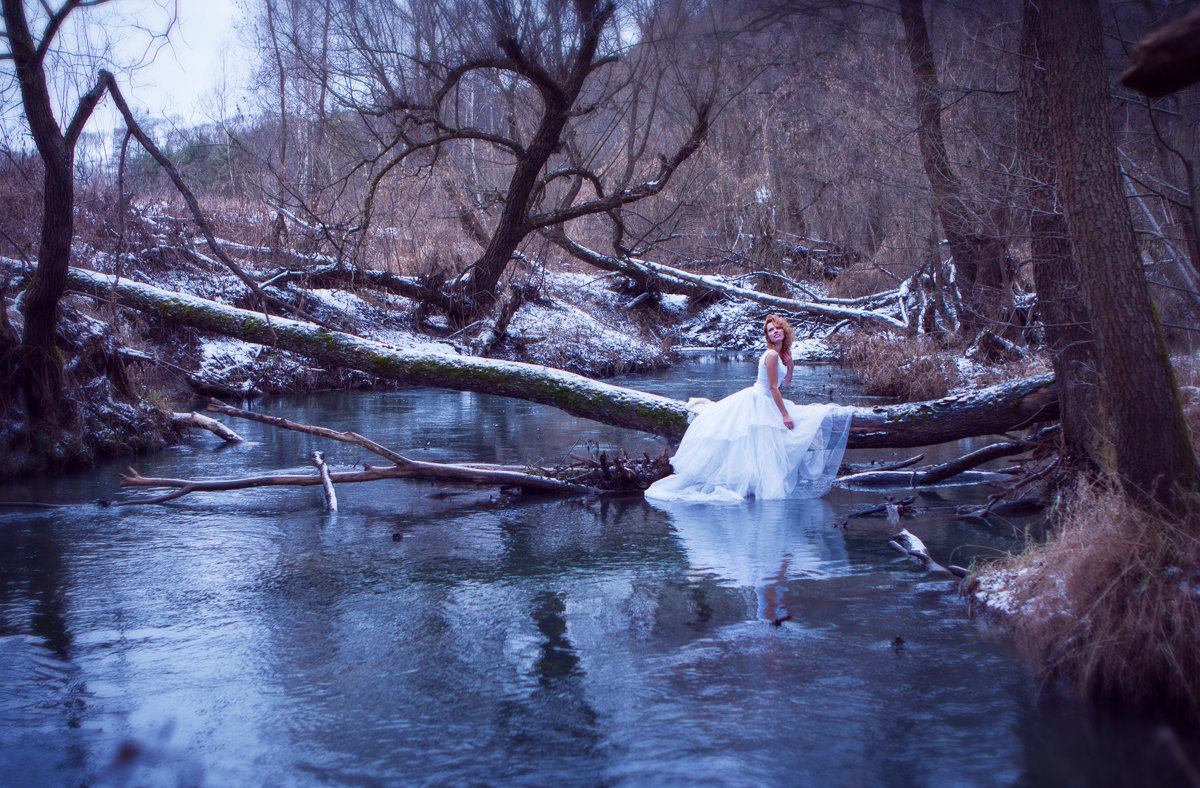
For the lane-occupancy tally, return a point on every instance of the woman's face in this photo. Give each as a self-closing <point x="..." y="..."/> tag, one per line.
<point x="775" y="333"/>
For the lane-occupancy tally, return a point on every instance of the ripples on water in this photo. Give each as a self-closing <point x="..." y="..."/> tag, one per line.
<point x="249" y="638"/>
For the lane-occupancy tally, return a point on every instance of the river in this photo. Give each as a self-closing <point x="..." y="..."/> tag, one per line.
<point x="430" y="636"/>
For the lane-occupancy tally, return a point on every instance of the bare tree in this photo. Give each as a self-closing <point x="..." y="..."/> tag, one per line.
<point x="526" y="88"/>
<point x="39" y="368"/>
<point x="978" y="256"/>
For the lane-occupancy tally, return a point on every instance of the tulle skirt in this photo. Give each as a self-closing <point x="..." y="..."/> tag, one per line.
<point x="739" y="447"/>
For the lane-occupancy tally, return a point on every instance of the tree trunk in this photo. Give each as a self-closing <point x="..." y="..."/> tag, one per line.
<point x="41" y="364"/>
<point x="978" y="258"/>
<point x="39" y="375"/>
<point x="1000" y="409"/>
<point x="510" y="229"/>
<point x="1154" y="455"/>
<point x="1060" y="300"/>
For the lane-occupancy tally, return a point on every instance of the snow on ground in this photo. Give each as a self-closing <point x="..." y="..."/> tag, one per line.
<point x="568" y="337"/>
<point x="385" y="318"/>
<point x="1024" y="591"/>
<point x="579" y="321"/>
<point x="725" y="324"/>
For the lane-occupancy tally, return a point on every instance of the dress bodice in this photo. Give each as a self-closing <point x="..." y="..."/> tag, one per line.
<point x="761" y="382"/>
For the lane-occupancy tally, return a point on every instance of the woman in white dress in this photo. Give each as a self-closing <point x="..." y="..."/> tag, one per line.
<point x="755" y="442"/>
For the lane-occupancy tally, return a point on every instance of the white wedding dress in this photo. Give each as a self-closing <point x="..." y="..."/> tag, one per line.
<point x="739" y="447"/>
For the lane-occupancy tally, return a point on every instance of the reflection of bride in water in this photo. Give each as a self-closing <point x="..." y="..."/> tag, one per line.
<point x="760" y="544"/>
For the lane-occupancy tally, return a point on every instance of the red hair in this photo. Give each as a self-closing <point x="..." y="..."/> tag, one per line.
<point x="789" y="335"/>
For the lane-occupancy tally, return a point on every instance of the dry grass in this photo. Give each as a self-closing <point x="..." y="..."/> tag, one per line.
<point x="1034" y="363"/>
<point x="1187" y="373"/>
<point x="864" y="279"/>
<point x="21" y="196"/>
<point x="910" y="369"/>
<point x="1112" y="602"/>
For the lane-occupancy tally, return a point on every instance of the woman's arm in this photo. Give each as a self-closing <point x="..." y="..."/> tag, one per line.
<point x="790" y="361"/>
<point x="773" y="380"/>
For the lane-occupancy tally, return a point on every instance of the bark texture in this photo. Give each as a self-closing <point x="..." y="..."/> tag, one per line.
<point x="39" y="367"/>
<point x="1151" y="440"/>
<point x="1060" y="301"/>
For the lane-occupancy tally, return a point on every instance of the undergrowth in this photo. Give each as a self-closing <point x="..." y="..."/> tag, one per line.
<point x="919" y="368"/>
<point x="1187" y="373"/>
<point x="1111" y="602"/>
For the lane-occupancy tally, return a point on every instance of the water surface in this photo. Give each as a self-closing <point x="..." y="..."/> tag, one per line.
<point x="434" y="636"/>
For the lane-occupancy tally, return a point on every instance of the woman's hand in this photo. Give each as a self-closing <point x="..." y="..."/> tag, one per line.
<point x="787" y="422"/>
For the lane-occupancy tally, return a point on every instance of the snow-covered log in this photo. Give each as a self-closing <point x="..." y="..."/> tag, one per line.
<point x="676" y="280"/>
<point x="575" y="394"/>
<point x="999" y="409"/>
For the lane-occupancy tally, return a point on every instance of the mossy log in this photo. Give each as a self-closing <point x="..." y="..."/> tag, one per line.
<point x="1008" y="407"/>
<point x="575" y="394"/>
<point x="999" y="409"/>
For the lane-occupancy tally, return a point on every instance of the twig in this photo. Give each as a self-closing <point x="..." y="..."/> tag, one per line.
<point x="217" y="406"/>
<point x="981" y="512"/>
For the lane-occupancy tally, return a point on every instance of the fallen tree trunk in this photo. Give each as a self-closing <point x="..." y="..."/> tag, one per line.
<point x="990" y="411"/>
<point x="995" y="410"/>
<point x="576" y="394"/>
<point x="675" y="280"/>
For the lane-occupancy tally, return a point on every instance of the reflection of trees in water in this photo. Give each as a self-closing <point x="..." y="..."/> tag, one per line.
<point x="558" y="658"/>
<point x="37" y="672"/>
<point x="32" y="577"/>
<point x="516" y="622"/>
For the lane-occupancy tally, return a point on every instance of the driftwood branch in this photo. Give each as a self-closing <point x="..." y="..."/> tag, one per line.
<point x="370" y="473"/>
<point x="200" y="421"/>
<point x="402" y="468"/>
<point x="217" y="406"/>
<point x="318" y="459"/>
<point x="910" y="544"/>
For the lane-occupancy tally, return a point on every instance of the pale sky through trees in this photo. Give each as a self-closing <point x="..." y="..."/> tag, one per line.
<point x="197" y="74"/>
<point x="181" y="79"/>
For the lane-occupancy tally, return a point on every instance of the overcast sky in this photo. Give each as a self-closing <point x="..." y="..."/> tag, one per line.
<point x="178" y="80"/>
<point x="203" y="48"/>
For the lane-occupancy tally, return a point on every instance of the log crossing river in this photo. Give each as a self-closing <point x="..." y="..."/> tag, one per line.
<point x="435" y="636"/>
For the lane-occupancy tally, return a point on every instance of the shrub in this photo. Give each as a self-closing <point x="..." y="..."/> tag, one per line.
<point x="1112" y="601"/>
<point x="910" y="369"/>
